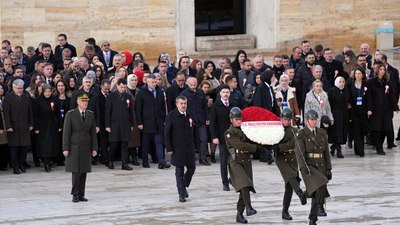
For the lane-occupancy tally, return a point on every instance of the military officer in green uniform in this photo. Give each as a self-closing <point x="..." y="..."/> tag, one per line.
<point x="240" y="167"/>
<point x="315" y="164"/>
<point x="79" y="145"/>
<point x="287" y="164"/>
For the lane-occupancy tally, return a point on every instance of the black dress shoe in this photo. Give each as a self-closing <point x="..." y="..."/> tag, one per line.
<point x="111" y="165"/>
<point x="270" y="161"/>
<point x="321" y="211"/>
<point x="286" y="215"/>
<point x="240" y="218"/>
<point x="381" y="152"/>
<point x="312" y="222"/>
<point x="146" y="165"/>
<point x="82" y="199"/>
<point x="16" y="171"/>
<point x="250" y="211"/>
<point x="213" y="159"/>
<point x="339" y="154"/>
<point x="22" y="168"/>
<point x="167" y="165"/>
<point x="303" y="197"/>
<point x="135" y="162"/>
<point x="204" y="162"/>
<point x="126" y="167"/>
<point x="186" y="194"/>
<point x="226" y="187"/>
<point x="47" y="168"/>
<point x="182" y="198"/>
<point x="391" y="145"/>
<point x="75" y="198"/>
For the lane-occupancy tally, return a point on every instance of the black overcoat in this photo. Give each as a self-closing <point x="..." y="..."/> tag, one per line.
<point x="338" y="99"/>
<point x="18" y="116"/>
<point x="47" y="120"/>
<point x="219" y="120"/>
<point x="180" y="138"/>
<point x="119" y="116"/>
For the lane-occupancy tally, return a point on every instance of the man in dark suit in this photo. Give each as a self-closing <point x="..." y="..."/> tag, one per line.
<point x="219" y="123"/>
<point x="19" y="122"/>
<point x="150" y="116"/>
<point x="332" y="67"/>
<point x="23" y="59"/>
<point x="79" y="145"/>
<point x="303" y="75"/>
<point x="179" y="140"/>
<point x="245" y="76"/>
<point x="175" y="90"/>
<point x="119" y="121"/>
<point x="46" y="55"/>
<point x="102" y="134"/>
<point x="107" y="54"/>
<point x="63" y="43"/>
<point x="197" y="106"/>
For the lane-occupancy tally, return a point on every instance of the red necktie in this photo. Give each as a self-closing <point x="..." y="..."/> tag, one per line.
<point x="226" y="104"/>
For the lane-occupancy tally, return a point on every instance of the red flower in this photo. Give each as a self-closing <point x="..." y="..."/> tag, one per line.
<point x="255" y="113"/>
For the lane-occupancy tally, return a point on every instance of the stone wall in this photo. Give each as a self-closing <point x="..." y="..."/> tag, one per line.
<point x="335" y="23"/>
<point x="136" y="25"/>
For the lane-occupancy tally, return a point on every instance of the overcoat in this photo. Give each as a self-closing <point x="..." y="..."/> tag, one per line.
<point x="338" y="100"/>
<point x="79" y="138"/>
<point x="47" y="120"/>
<point x="240" y="167"/>
<point x="316" y="154"/>
<point x="179" y="136"/>
<point x="119" y="116"/>
<point x="286" y="156"/>
<point x="18" y="116"/>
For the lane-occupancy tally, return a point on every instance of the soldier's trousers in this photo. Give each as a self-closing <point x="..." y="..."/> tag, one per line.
<point x="244" y="199"/>
<point x="318" y="199"/>
<point x="293" y="184"/>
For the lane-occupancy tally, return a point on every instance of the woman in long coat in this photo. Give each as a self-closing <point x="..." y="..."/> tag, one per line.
<point x="317" y="99"/>
<point x="339" y="100"/>
<point x="381" y="104"/>
<point x="4" y="150"/>
<point x="357" y="87"/>
<point x="286" y="98"/>
<point x="47" y="125"/>
<point x="134" y="141"/>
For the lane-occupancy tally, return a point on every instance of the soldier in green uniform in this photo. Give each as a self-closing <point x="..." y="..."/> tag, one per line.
<point x="315" y="164"/>
<point x="79" y="145"/>
<point x="240" y="168"/>
<point x="287" y="164"/>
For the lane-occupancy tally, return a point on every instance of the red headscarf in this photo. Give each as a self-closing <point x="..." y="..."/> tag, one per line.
<point x="140" y="75"/>
<point x="128" y="58"/>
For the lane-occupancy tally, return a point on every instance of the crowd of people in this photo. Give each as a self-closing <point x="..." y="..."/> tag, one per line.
<point x="354" y="95"/>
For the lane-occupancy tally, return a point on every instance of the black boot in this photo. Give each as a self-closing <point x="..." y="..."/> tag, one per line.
<point x="302" y="196"/>
<point x="312" y="222"/>
<point x="339" y="152"/>
<point x="213" y="158"/>
<point x="240" y="218"/>
<point x="286" y="215"/>
<point x="333" y="149"/>
<point x="134" y="158"/>
<point x="250" y="210"/>
<point x="321" y="211"/>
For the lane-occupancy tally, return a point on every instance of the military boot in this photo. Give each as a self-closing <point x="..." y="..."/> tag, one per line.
<point x="286" y="215"/>
<point x="240" y="218"/>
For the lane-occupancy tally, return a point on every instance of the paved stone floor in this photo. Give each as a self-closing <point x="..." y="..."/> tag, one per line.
<point x="364" y="191"/>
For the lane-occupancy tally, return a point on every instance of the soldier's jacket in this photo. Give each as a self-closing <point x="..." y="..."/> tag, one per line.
<point x="286" y="155"/>
<point x="316" y="153"/>
<point x="240" y="168"/>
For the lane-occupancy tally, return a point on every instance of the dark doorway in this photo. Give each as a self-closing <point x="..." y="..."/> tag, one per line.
<point x="219" y="17"/>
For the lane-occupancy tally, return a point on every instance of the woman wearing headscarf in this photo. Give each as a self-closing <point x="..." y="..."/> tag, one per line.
<point x="317" y="99"/>
<point x="47" y="125"/>
<point x="339" y="100"/>
<point x="128" y="59"/>
<point x="134" y="141"/>
<point x="381" y="104"/>
<point x="250" y="89"/>
<point x="357" y="87"/>
<point x="286" y="98"/>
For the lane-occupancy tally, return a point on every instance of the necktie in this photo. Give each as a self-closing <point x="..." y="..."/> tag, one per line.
<point x="48" y="81"/>
<point x="154" y="93"/>
<point x="83" y="115"/>
<point x="227" y="104"/>
<point x="107" y="56"/>
<point x="314" y="133"/>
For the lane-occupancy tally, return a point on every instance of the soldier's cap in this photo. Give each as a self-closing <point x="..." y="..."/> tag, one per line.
<point x="83" y="97"/>
<point x="311" y="114"/>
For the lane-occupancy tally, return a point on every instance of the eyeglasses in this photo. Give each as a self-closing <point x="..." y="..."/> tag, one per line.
<point x="105" y="45"/>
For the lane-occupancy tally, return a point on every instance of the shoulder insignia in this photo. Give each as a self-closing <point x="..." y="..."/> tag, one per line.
<point x="90" y="111"/>
<point x="228" y="135"/>
<point x="71" y="110"/>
